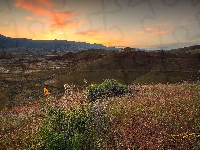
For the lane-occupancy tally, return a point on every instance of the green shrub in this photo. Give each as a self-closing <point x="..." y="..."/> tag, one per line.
<point x="109" y="88"/>
<point x="83" y="127"/>
<point x="62" y="129"/>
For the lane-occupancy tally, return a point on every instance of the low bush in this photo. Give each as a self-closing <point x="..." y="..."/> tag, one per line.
<point x="62" y="129"/>
<point x="82" y="127"/>
<point x="109" y="88"/>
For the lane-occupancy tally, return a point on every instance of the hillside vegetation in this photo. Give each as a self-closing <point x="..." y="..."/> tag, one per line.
<point x="135" y="67"/>
<point x="159" y="116"/>
<point x="128" y="66"/>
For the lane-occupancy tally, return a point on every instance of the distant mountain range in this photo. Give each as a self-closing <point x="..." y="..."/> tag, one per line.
<point x="56" y="46"/>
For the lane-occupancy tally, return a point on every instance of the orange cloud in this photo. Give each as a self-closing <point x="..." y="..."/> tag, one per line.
<point x="67" y="23"/>
<point x="29" y="18"/>
<point x="45" y="8"/>
<point x="150" y="29"/>
<point x="187" y="21"/>
<point x="158" y="33"/>
<point x="162" y="32"/>
<point x="156" y="27"/>
<point x="46" y="3"/>
<point x="90" y="33"/>
<point x="5" y="10"/>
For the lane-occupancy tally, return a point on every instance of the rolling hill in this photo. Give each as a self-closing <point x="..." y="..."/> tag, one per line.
<point x="127" y="66"/>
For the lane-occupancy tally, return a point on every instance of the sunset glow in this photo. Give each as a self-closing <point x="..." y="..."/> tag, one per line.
<point x="149" y="24"/>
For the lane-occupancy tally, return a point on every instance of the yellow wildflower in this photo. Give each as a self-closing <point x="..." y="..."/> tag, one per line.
<point x="46" y="91"/>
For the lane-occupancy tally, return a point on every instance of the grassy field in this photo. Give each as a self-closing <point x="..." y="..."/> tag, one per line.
<point x="159" y="116"/>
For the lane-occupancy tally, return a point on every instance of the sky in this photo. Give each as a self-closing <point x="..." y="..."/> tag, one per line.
<point x="149" y="24"/>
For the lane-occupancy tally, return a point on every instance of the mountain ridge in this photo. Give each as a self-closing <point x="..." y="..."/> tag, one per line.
<point x="58" y="46"/>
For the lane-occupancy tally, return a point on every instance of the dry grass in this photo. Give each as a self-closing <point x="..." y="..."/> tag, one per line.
<point x="161" y="116"/>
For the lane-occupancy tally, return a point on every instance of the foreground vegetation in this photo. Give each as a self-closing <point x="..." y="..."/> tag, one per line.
<point x="160" y="116"/>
